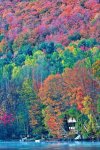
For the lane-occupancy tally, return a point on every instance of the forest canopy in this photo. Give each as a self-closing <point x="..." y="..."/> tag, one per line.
<point x="49" y="68"/>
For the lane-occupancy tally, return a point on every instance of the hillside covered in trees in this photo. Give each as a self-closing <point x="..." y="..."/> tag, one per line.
<point x="49" y="68"/>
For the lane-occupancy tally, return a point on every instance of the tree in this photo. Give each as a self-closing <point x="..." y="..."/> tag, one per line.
<point x="53" y="94"/>
<point x="96" y="69"/>
<point x="27" y="98"/>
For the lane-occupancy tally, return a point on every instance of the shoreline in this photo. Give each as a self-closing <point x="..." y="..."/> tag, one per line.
<point x="52" y="140"/>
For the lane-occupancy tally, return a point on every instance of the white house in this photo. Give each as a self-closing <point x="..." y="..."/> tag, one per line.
<point x="71" y="123"/>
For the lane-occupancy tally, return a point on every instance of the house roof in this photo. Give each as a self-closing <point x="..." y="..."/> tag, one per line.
<point x="71" y="120"/>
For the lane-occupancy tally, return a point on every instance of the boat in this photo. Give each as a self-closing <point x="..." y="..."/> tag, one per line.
<point x="37" y="141"/>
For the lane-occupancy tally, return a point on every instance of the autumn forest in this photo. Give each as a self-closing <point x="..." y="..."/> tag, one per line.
<point x="49" y="68"/>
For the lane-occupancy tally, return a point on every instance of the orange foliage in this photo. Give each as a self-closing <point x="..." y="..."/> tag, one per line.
<point x="53" y="123"/>
<point x="80" y="84"/>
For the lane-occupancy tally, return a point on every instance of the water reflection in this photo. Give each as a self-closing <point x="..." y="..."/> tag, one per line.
<point x="50" y="146"/>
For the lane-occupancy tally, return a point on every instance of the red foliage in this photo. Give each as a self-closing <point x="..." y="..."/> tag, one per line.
<point x="6" y="118"/>
<point x="49" y="20"/>
<point x="79" y="85"/>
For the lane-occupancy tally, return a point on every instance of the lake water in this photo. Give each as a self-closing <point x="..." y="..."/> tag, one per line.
<point x="50" y="146"/>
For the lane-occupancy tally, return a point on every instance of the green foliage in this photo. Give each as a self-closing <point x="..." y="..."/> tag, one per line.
<point x="10" y="55"/>
<point x="19" y="59"/>
<point x="88" y="43"/>
<point x="38" y="41"/>
<point x="98" y="105"/>
<point x="81" y="124"/>
<point x="91" y="127"/>
<point x="27" y="94"/>
<point x="76" y="36"/>
<point x="24" y="66"/>
<point x="48" y="48"/>
<point x="68" y="59"/>
<point x="16" y="71"/>
<point x="25" y="49"/>
<point x="7" y="72"/>
<point x="1" y="37"/>
<point x="26" y="70"/>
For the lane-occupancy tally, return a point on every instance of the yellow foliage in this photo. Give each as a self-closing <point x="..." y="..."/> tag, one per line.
<point x="71" y="48"/>
<point x="87" y="103"/>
